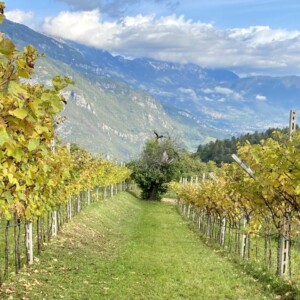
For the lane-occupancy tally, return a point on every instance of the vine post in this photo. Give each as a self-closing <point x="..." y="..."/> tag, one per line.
<point x="283" y="262"/>
<point x="54" y="213"/>
<point x="223" y="232"/>
<point x="29" y="241"/>
<point x="89" y="197"/>
<point x="244" y="238"/>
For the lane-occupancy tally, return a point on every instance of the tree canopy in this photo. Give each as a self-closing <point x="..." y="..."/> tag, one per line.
<point x="161" y="162"/>
<point x="221" y="150"/>
<point x="157" y="165"/>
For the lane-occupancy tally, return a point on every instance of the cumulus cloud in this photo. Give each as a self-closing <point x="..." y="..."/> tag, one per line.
<point x="19" y="16"/>
<point x="207" y="91"/>
<point x="260" y="98"/>
<point x="259" y="49"/>
<point x="84" y="27"/>
<point x="223" y="91"/>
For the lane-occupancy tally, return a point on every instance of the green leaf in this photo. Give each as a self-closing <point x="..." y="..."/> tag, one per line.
<point x="15" y="89"/>
<point x="33" y="144"/>
<point x="297" y="190"/>
<point x="4" y="137"/>
<point x="8" y="196"/>
<point x="56" y="104"/>
<point x="7" y="47"/>
<point x="19" y="113"/>
<point x="23" y="73"/>
<point x="2" y="18"/>
<point x="58" y="83"/>
<point x="18" y="154"/>
<point x="40" y="129"/>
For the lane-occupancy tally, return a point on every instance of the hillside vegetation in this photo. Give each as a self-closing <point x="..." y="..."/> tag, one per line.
<point x="221" y="150"/>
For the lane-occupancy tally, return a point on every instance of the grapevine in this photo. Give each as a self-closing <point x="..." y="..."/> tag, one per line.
<point x="34" y="179"/>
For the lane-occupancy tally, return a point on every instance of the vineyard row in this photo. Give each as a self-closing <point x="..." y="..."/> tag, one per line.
<point x="266" y="204"/>
<point x="23" y="240"/>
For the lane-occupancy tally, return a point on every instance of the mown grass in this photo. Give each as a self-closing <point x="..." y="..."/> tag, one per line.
<point x="282" y="288"/>
<point x="126" y="248"/>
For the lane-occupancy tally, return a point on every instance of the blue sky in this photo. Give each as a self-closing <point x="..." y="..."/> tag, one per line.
<point x="247" y="36"/>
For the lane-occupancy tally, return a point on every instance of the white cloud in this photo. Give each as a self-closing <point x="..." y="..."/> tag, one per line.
<point x="84" y="27"/>
<point x="208" y="99"/>
<point x="262" y="35"/>
<point x="190" y="92"/>
<point x="174" y="38"/>
<point x="228" y="92"/>
<point x="207" y="91"/>
<point x="260" y="98"/>
<point x="19" y="16"/>
<point x="223" y="91"/>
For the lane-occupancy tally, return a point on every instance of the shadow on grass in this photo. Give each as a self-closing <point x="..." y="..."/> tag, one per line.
<point x="286" y="289"/>
<point x="135" y="193"/>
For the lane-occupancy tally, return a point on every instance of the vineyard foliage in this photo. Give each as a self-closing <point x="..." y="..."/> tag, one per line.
<point x="35" y="177"/>
<point x="272" y="198"/>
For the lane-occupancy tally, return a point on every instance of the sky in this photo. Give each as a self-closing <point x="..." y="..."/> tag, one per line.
<point x="250" y="37"/>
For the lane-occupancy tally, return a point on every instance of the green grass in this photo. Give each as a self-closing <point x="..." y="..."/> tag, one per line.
<point x="130" y="249"/>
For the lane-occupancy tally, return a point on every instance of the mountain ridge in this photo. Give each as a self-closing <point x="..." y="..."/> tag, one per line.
<point x="194" y="103"/>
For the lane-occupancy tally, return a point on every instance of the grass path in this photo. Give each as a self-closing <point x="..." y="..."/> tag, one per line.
<point x="129" y="249"/>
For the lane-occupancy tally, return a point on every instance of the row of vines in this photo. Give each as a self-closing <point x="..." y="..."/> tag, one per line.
<point x="15" y="253"/>
<point x="39" y="174"/>
<point x="261" y="210"/>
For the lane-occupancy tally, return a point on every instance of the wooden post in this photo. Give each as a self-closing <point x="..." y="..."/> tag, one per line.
<point x="246" y="168"/>
<point x="78" y="204"/>
<point x="200" y="219"/>
<point x="184" y="209"/>
<point x="54" y="223"/>
<point x="223" y="232"/>
<point x="292" y="127"/>
<point x="111" y="190"/>
<point x="69" y="209"/>
<point x="88" y="197"/>
<point x="283" y="250"/>
<point x="29" y="241"/>
<point x="189" y="211"/>
<point x="208" y="233"/>
<point x="105" y="193"/>
<point x="244" y="238"/>
<point x="284" y="238"/>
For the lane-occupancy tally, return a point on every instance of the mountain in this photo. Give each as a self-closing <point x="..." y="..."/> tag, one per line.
<point x="117" y="102"/>
<point x="215" y="98"/>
